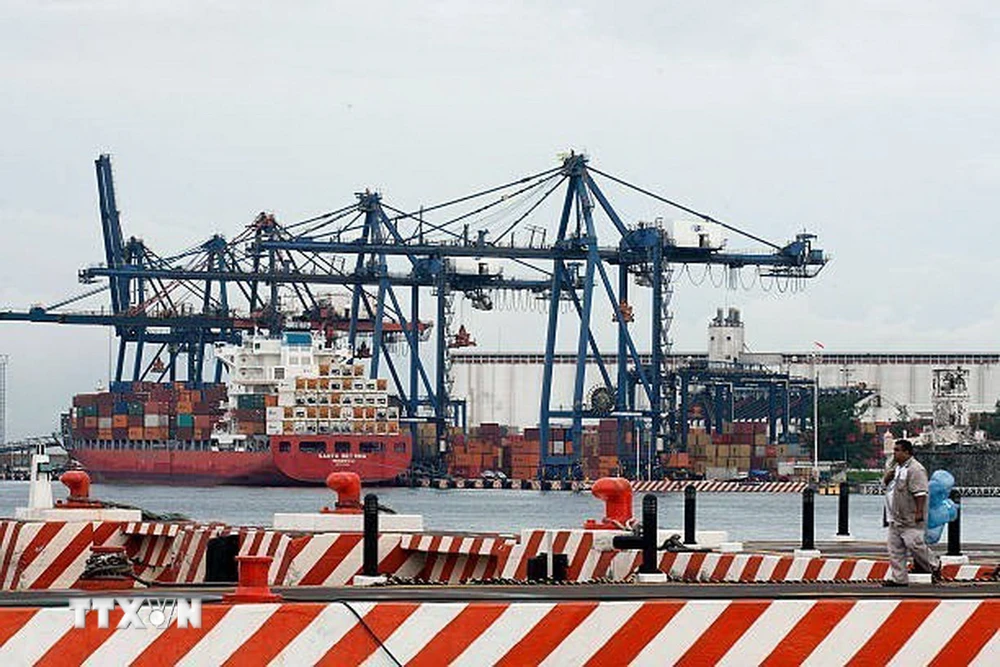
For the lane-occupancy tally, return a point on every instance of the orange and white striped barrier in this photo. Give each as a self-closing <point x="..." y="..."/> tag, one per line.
<point x="712" y="486"/>
<point x="759" y="568"/>
<point x="53" y="555"/>
<point x="591" y="556"/>
<point x="657" y="632"/>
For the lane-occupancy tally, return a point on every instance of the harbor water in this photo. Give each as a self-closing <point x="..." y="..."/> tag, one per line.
<point x="746" y="516"/>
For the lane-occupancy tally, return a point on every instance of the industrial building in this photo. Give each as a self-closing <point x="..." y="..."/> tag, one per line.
<point x="504" y="387"/>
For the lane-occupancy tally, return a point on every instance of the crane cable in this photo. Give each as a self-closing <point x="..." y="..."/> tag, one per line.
<point x="703" y="216"/>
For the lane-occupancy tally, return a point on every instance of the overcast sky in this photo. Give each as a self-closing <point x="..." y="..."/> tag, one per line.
<point x="872" y="124"/>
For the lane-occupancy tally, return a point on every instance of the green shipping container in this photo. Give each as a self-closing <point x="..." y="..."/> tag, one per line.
<point x="250" y="401"/>
<point x="185" y="421"/>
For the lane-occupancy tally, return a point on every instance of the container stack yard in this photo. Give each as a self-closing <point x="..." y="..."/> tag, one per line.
<point x="741" y="447"/>
<point x="517" y="454"/>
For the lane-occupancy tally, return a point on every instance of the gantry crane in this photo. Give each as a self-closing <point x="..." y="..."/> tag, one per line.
<point x="387" y="257"/>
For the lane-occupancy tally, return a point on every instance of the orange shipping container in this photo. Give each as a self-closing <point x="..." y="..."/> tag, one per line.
<point x="270" y="401"/>
<point x="136" y="433"/>
<point x="678" y="460"/>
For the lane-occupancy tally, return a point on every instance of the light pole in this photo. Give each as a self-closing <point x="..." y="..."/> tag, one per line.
<point x="815" y="374"/>
<point x="815" y="423"/>
<point x="632" y="414"/>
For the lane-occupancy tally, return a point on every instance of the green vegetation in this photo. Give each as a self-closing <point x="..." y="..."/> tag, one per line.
<point x="840" y="435"/>
<point x="863" y="476"/>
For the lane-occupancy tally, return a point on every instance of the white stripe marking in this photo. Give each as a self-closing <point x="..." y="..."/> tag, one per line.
<point x="854" y="629"/>
<point x="736" y="569"/>
<point x="232" y="630"/>
<point x="940" y="626"/>
<point x="767" y="567"/>
<point x="347" y="568"/>
<point x="708" y="567"/>
<point x="829" y="569"/>
<point x="683" y="630"/>
<point x="989" y="656"/>
<point x="493" y="643"/>
<point x="124" y="646"/>
<point x="418" y="630"/>
<point x="862" y="570"/>
<point x="439" y="561"/>
<point x="592" y="633"/>
<point x="680" y="564"/>
<point x="322" y="634"/>
<point x="481" y="565"/>
<point x="769" y="630"/>
<point x="798" y="569"/>
<point x="37" y="636"/>
<point x="50" y="553"/>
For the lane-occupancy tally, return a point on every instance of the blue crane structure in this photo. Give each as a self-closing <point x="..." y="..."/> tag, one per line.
<point x="387" y="258"/>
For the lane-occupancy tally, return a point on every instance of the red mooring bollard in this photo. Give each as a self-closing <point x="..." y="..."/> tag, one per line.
<point x="616" y="492"/>
<point x="78" y="484"/>
<point x="252" y="586"/>
<point x="347" y="486"/>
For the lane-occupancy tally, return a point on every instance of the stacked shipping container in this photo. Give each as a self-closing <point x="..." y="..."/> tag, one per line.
<point x="599" y="450"/>
<point x="340" y="400"/>
<point x="524" y="455"/>
<point x="149" y="411"/>
<point x="741" y="447"/>
<point x="483" y="449"/>
<point x="495" y="447"/>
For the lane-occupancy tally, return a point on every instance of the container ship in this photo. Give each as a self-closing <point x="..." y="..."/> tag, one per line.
<point x="293" y="411"/>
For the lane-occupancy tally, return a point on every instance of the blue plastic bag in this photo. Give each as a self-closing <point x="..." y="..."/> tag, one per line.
<point x="940" y="508"/>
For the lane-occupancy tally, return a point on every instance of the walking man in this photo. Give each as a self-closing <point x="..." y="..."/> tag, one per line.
<point x="906" y="510"/>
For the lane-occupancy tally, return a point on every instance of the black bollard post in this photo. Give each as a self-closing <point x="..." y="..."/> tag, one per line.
<point x="955" y="527"/>
<point x="649" y="564"/>
<point x="808" y="519"/>
<point x="369" y="566"/>
<point x="690" y="494"/>
<point x="843" y="511"/>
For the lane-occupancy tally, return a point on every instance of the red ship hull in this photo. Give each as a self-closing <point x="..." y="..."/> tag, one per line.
<point x="290" y="460"/>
